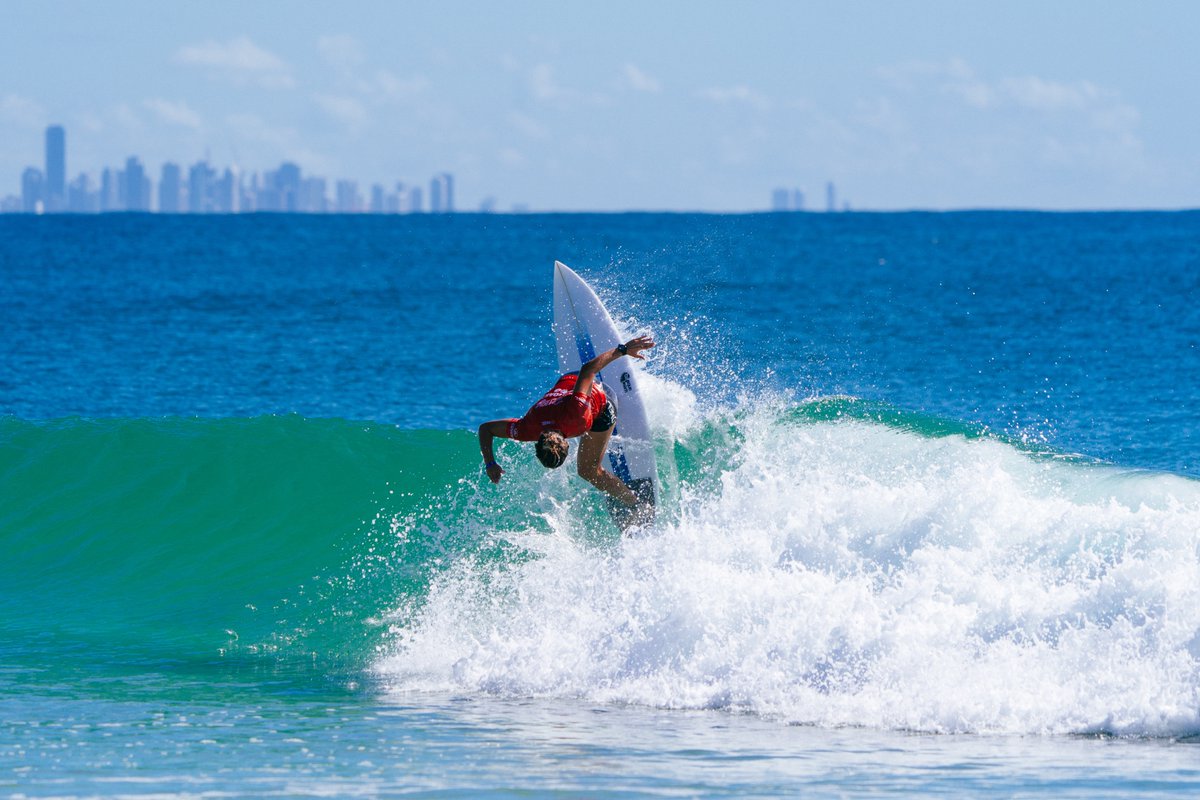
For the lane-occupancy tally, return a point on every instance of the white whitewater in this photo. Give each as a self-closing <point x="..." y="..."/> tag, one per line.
<point x="848" y="573"/>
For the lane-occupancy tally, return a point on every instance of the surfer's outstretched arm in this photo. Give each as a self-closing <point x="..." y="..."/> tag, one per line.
<point x="487" y="432"/>
<point x="587" y="373"/>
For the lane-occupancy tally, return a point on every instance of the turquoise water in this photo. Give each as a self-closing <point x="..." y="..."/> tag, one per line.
<point x="930" y="521"/>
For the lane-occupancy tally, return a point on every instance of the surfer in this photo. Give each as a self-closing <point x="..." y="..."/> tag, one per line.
<point x="576" y="406"/>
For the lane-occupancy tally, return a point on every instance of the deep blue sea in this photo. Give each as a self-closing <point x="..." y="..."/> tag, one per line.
<point x="930" y="514"/>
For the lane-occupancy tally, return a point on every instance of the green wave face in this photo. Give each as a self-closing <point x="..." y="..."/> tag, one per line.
<point x="202" y="536"/>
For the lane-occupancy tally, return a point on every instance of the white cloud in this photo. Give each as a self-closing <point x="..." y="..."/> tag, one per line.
<point x="347" y="110"/>
<point x="510" y="157"/>
<point x="730" y="95"/>
<point x="126" y="117"/>
<point x="908" y="75"/>
<point x="640" y="81"/>
<point x="957" y="77"/>
<point x="1036" y="93"/>
<point x="239" y="60"/>
<point x="341" y="51"/>
<point x="22" y="111"/>
<point x="544" y="87"/>
<point x="90" y="122"/>
<point x="528" y="125"/>
<point x="976" y="93"/>
<point x="397" y="88"/>
<point x="176" y="113"/>
<point x="542" y="83"/>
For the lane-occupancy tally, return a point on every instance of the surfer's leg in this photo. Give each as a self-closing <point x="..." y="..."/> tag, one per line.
<point x="591" y="451"/>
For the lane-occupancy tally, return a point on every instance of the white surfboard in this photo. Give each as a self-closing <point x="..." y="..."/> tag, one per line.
<point x="582" y="328"/>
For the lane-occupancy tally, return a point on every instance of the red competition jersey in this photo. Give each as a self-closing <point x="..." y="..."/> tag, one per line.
<point x="559" y="410"/>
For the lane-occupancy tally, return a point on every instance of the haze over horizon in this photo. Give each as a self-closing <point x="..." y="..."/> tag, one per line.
<point x="940" y="105"/>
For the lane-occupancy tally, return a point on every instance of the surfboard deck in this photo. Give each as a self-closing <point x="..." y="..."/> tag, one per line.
<point x="582" y="328"/>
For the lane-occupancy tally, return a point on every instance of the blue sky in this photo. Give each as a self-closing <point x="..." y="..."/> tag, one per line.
<point x="624" y="105"/>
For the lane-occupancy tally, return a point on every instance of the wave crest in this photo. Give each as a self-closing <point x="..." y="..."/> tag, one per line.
<point x="834" y="565"/>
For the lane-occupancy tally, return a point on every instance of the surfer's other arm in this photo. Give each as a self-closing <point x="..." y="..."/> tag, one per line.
<point x="487" y="432"/>
<point x="587" y="373"/>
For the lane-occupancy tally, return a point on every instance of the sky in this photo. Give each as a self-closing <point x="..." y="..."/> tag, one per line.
<point x="628" y="105"/>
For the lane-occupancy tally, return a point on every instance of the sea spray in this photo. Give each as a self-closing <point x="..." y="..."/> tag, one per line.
<point x="839" y="570"/>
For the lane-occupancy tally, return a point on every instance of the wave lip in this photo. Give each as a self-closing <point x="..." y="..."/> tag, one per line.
<point x="839" y="569"/>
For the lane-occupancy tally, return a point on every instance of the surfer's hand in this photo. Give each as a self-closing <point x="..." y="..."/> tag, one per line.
<point x="634" y="347"/>
<point x="494" y="472"/>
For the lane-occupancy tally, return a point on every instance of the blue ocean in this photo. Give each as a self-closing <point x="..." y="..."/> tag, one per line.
<point x="929" y="519"/>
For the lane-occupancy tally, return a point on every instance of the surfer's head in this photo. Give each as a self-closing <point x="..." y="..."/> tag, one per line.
<point x="552" y="449"/>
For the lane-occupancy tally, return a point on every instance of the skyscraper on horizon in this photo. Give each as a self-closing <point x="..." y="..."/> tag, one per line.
<point x="55" y="189"/>
<point x="783" y="199"/>
<point x="200" y="184"/>
<point x="136" y="185"/>
<point x="830" y="197"/>
<point x="110" y="191"/>
<point x="33" y="191"/>
<point x="170" y="195"/>
<point x="287" y="182"/>
<point x="441" y="193"/>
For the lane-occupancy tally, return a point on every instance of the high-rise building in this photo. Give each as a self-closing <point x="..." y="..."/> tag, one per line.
<point x="56" y="168"/>
<point x="110" y="191"/>
<point x="81" y="199"/>
<point x="287" y="183"/>
<point x="136" y="186"/>
<point x="830" y="197"/>
<point x="267" y="194"/>
<point x="248" y="194"/>
<point x="201" y="178"/>
<point x="170" y="189"/>
<point x="377" y="205"/>
<point x="416" y="203"/>
<point x="441" y="193"/>
<point x="33" y="191"/>
<point x="783" y="199"/>
<point x="347" y="197"/>
<point x="313" y="199"/>
<point x="435" y="195"/>
<point x="225" y="193"/>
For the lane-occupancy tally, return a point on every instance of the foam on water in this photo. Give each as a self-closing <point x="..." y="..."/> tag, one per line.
<point x="843" y="572"/>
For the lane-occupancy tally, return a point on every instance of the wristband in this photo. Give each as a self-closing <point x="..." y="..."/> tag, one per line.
<point x="622" y="349"/>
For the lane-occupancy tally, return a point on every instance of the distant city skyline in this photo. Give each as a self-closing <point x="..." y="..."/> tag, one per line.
<point x="211" y="191"/>
<point x="626" y="106"/>
<point x="207" y="190"/>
